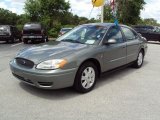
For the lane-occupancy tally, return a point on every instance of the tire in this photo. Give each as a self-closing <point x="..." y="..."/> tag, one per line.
<point x="45" y="40"/>
<point x="25" y="41"/>
<point x="139" y="62"/>
<point x="20" y="39"/>
<point x="86" y="77"/>
<point x="13" y="40"/>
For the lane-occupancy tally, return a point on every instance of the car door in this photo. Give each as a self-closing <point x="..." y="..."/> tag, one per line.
<point x="155" y="34"/>
<point x="133" y="43"/>
<point x="114" y="54"/>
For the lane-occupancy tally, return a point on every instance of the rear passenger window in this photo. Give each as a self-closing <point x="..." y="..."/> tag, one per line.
<point x="129" y="34"/>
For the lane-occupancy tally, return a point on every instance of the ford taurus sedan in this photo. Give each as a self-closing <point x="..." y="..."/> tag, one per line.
<point x="79" y="57"/>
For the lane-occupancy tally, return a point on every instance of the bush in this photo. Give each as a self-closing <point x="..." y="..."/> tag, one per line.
<point x="19" y="27"/>
<point x="53" y="33"/>
<point x="69" y="26"/>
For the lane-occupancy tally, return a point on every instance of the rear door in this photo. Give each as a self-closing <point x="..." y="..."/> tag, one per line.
<point x="133" y="43"/>
<point x="114" y="54"/>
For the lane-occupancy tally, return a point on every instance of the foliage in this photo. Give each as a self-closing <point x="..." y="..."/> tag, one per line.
<point x="53" y="33"/>
<point x="108" y="17"/>
<point x="7" y="17"/>
<point x="129" y="10"/>
<point x="149" y="21"/>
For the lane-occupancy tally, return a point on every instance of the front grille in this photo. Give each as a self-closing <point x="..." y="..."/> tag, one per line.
<point x="25" y="62"/>
<point x="23" y="79"/>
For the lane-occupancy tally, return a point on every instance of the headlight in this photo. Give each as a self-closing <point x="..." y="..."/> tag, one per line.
<point x="52" y="64"/>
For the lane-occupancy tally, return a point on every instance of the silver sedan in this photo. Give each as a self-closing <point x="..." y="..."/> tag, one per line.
<point x="79" y="57"/>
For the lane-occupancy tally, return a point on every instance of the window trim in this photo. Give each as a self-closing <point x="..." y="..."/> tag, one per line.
<point x="109" y="30"/>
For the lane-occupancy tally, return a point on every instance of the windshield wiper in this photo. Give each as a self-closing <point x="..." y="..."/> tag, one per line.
<point x="73" y="41"/>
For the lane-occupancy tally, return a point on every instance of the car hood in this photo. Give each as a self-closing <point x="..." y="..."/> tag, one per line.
<point x="51" y="50"/>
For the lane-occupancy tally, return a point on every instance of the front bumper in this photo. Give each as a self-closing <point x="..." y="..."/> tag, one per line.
<point x="5" y="38"/>
<point x="32" y="37"/>
<point x="46" y="79"/>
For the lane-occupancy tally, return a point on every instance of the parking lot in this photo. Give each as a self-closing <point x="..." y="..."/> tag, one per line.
<point x="128" y="94"/>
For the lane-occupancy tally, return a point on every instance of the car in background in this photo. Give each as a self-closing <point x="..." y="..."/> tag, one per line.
<point x="9" y="33"/>
<point x="151" y="33"/>
<point x="63" y="31"/>
<point x="34" y="32"/>
<point x="79" y="57"/>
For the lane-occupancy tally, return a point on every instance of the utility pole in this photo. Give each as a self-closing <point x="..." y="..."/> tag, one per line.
<point x="102" y="13"/>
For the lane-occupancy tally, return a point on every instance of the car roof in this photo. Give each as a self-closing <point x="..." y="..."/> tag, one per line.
<point x="101" y="24"/>
<point x="32" y="23"/>
<point x="8" y="25"/>
<point x="106" y="24"/>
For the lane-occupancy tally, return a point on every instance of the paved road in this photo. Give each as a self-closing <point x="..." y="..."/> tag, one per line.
<point x="128" y="94"/>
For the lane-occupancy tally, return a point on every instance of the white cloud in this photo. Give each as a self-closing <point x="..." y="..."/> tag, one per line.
<point x="152" y="10"/>
<point x="83" y="8"/>
<point x="3" y="5"/>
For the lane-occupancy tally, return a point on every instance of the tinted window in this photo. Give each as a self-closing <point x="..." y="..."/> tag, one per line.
<point x="129" y="34"/>
<point x="114" y="33"/>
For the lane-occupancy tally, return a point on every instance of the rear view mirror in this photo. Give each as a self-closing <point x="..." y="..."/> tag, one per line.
<point x="111" y="41"/>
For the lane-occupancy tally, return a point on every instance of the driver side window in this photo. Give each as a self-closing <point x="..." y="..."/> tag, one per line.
<point x="114" y="33"/>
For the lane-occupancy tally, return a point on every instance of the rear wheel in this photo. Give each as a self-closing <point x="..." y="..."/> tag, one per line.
<point x="13" y="40"/>
<point x="86" y="77"/>
<point x="139" y="62"/>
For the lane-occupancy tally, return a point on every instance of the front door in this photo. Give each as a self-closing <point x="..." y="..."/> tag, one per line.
<point x="114" y="54"/>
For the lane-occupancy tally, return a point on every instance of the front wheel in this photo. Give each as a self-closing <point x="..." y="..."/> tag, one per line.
<point x="139" y="62"/>
<point x="86" y="77"/>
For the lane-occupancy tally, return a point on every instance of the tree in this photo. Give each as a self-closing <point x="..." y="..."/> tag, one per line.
<point x="149" y="21"/>
<point x="129" y="10"/>
<point x="108" y="17"/>
<point x="7" y="17"/>
<point x="32" y="9"/>
<point x="53" y="10"/>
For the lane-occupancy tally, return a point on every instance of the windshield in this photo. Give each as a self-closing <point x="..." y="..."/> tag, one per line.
<point x="86" y="34"/>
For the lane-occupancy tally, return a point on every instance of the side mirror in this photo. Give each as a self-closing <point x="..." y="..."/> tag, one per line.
<point x="110" y="41"/>
<point x="143" y="38"/>
<point x="140" y="34"/>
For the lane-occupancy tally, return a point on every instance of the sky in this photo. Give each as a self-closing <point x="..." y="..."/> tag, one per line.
<point x="84" y="7"/>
